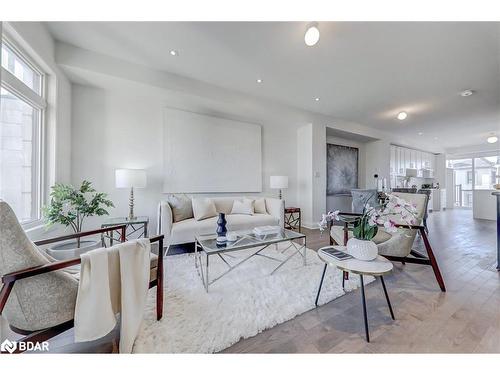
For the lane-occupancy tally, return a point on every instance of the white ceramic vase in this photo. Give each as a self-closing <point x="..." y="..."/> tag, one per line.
<point x="362" y="249"/>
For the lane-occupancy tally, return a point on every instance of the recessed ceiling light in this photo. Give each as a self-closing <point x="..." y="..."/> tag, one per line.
<point x="173" y="52"/>
<point x="311" y="37"/>
<point x="420" y="133"/>
<point x="492" y="139"/>
<point x="259" y="80"/>
<point x="402" y="115"/>
<point x="466" y="93"/>
<point x="317" y="99"/>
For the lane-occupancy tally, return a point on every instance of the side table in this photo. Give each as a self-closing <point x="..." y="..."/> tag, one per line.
<point x="292" y="218"/>
<point x="377" y="268"/>
<point x="136" y="228"/>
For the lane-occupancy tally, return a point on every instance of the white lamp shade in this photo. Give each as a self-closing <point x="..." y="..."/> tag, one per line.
<point x="279" y="182"/>
<point x="130" y="178"/>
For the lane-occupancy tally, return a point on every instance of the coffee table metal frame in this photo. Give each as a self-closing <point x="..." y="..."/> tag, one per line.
<point x="246" y="240"/>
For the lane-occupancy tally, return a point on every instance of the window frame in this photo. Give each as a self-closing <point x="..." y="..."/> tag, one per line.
<point x="39" y="102"/>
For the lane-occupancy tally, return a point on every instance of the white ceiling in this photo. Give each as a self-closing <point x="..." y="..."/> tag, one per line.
<point x="363" y="72"/>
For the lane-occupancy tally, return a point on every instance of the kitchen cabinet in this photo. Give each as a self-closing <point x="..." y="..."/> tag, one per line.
<point x="403" y="158"/>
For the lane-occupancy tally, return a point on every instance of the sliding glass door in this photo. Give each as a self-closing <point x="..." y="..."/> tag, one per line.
<point x="463" y="180"/>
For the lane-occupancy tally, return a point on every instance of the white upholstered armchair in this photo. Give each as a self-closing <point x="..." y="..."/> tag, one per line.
<point x="37" y="297"/>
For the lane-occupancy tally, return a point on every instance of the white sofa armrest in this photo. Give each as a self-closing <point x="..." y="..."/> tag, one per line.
<point x="165" y="221"/>
<point x="276" y="207"/>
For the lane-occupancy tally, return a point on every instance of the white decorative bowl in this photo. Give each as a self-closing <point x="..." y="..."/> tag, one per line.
<point x="362" y="249"/>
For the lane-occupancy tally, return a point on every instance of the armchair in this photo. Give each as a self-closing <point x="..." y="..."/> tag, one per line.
<point x="398" y="246"/>
<point x="37" y="297"/>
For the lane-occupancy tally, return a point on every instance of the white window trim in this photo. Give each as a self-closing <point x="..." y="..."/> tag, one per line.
<point x="25" y="93"/>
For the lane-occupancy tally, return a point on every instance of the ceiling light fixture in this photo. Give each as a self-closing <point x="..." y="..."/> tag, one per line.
<point x="466" y="93"/>
<point x="402" y="116"/>
<point x="420" y="133"/>
<point x="492" y="139"/>
<point x="259" y="80"/>
<point x="311" y="37"/>
<point x="317" y="99"/>
<point x="173" y="52"/>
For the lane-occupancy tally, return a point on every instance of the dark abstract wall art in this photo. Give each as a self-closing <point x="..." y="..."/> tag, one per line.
<point x="342" y="169"/>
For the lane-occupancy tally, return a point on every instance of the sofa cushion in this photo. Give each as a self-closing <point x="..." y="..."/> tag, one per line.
<point x="259" y="206"/>
<point x="244" y="207"/>
<point x="181" y="206"/>
<point x="203" y="208"/>
<point x="224" y="204"/>
<point x="186" y="230"/>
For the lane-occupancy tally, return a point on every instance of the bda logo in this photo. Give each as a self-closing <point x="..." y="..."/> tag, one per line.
<point x="8" y="346"/>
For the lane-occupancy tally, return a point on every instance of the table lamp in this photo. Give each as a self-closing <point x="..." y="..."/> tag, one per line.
<point x="130" y="178"/>
<point x="279" y="182"/>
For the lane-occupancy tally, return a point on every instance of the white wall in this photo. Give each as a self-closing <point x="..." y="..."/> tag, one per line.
<point x="378" y="159"/>
<point x="118" y="130"/>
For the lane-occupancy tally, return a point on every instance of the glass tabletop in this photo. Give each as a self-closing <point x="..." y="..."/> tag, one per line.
<point x="123" y="220"/>
<point x="245" y="239"/>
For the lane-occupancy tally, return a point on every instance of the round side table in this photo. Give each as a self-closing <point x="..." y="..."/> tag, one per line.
<point x="377" y="268"/>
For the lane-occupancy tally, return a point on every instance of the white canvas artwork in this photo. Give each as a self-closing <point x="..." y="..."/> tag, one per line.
<point x="207" y="154"/>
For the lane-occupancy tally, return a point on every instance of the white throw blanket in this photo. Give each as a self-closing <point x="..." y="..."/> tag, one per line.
<point x="113" y="280"/>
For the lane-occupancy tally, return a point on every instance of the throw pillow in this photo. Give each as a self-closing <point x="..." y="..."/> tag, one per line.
<point x="181" y="206"/>
<point x="260" y="206"/>
<point x="203" y="208"/>
<point x="244" y="207"/>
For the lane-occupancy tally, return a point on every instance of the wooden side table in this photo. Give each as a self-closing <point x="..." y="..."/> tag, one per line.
<point x="377" y="268"/>
<point x="292" y="218"/>
<point x="136" y="228"/>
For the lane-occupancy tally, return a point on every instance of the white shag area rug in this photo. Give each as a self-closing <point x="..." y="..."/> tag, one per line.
<point x="241" y="304"/>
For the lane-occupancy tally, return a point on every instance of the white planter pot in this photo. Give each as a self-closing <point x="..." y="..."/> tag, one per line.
<point x="362" y="249"/>
<point x="69" y="250"/>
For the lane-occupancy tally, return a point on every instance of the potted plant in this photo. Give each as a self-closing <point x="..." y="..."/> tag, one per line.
<point x="365" y="226"/>
<point x="70" y="207"/>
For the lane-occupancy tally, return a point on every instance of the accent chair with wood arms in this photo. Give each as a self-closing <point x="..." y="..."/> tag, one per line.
<point x="37" y="297"/>
<point x="398" y="246"/>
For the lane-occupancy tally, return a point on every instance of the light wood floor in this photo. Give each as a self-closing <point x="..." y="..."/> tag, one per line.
<point x="465" y="319"/>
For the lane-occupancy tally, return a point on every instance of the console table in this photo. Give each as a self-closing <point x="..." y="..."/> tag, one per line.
<point x="497" y="194"/>
<point x="135" y="228"/>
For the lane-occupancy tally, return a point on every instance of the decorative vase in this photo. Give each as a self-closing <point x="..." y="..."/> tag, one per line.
<point x="362" y="249"/>
<point x="221" y="228"/>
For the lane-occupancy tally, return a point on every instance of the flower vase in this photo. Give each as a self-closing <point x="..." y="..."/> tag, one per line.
<point x="362" y="249"/>
<point x="221" y="229"/>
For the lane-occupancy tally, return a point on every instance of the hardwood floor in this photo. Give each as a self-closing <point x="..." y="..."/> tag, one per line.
<point x="465" y="319"/>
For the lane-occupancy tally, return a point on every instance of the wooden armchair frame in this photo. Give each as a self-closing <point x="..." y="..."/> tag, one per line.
<point x="417" y="258"/>
<point x="45" y="334"/>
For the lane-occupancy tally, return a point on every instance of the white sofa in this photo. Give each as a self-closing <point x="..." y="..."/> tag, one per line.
<point x="185" y="231"/>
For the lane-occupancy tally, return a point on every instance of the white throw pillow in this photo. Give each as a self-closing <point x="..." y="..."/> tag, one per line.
<point x="181" y="207"/>
<point x="203" y="208"/>
<point x="259" y="206"/>
<point x="244" y="207"/>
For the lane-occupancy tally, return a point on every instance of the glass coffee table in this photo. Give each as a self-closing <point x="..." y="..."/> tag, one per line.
<point x="206" y="246"/>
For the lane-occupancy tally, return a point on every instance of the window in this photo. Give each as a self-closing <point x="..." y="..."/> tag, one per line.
<point x="22" y="105"/>
<point x="469" y="177"/>
<point x="487" y="169"/>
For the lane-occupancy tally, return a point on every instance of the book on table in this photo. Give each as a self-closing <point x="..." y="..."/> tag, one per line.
<point x="267" y="229"/>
